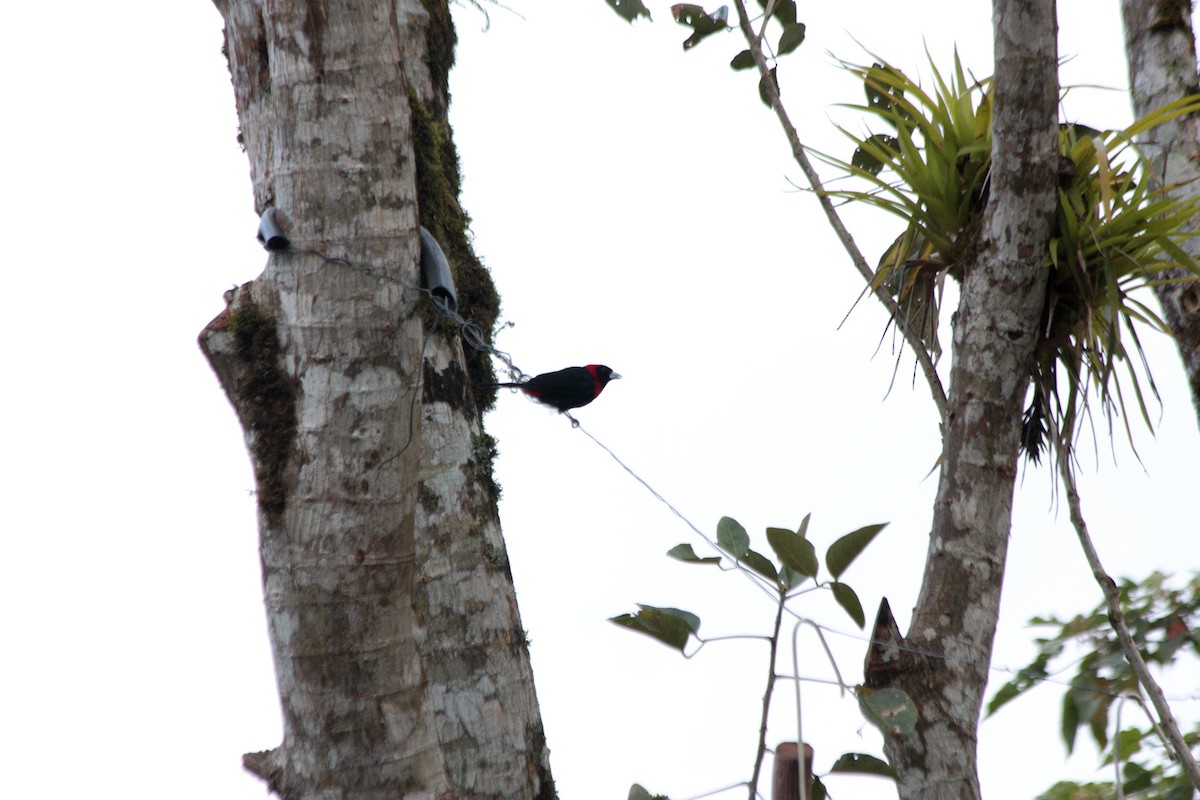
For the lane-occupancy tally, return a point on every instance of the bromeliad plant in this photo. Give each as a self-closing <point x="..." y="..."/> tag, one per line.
<point x="1115" y="233"/>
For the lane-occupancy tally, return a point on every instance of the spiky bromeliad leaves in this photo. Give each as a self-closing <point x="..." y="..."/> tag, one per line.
<point x="1114" y="234"/>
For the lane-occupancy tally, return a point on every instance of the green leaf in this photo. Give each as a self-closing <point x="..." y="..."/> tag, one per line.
<point x="1137" y="778"/>
<point x="848" y="600"/>
<point x="1182" y="790"/>
<point x="872" y="155"/>
<point x="785" y="11"/>
<point x="890" y="710"/>
<point x="884" y="86"/>
<point x="803" y="529"/>
<point x="687" y="617"/>
<point x="819" y="792"/>
<point x="702" y="24"/>
<point x="792" y="37"/>
<point x="760" y="564"/>
<point x="685" y="553"/>
<point x="794" y="551"/>
<point x="1070" y="721"/>
<point x="790" y="578"/>
<point x="762" y="87"/>
<point x="863" y="765"/>
<point x="1071" y="790"/>
<point x="629" y="10"/>
<point x="671" y="626"/>
<point x="1007" y="692"/>
<point x="743" y="60"/>
<point x="1128" y="742"/>
<point x="732" y="537"/>
<point x="636" y="792"/>
<point x="1099" y="723"/>
<point x="842" y="553"/>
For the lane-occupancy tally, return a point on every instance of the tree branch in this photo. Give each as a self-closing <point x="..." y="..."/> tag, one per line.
<point x="754" y="42"/>
<point x="766" y="705"/>
<point x="1116" y="619"/>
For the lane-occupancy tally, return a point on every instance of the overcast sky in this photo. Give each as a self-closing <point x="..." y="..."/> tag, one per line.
<point x="637" y="207"/>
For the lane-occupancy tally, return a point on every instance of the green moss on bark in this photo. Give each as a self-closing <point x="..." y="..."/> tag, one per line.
<point x="440" y="41"/>
<point x="481" y="467"/>
<point x="438" y="183"/>
<point x="536" y="736"/>
<point x="1172" y="15"/>
<point x="266" y="401"/>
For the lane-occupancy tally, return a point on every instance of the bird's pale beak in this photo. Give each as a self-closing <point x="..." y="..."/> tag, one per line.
<point x="614" y="376"/>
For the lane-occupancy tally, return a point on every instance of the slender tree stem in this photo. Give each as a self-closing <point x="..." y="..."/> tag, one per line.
<point x="1117" y="619"/>
<point x="754" y="42"/>
<point x="766" y="704"/>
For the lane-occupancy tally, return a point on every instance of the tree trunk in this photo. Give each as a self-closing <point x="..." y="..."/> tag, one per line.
<point x="995" y="332"/>
<point x="401" y="661"/>
<point x="1161" y="48"/>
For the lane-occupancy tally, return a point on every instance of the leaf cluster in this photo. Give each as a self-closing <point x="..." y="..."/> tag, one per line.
<point x="778" y="15"/>
<point x="1150" y="778"/>
<point x="1164" y="622"/>
<point x="705" y="23"/>
<point x="796" y="563"/>
<point x="1114" y="232"/>
<point x="937" y="152"/>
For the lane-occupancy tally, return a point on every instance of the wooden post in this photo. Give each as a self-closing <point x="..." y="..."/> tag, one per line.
<point x="785" y="783"/>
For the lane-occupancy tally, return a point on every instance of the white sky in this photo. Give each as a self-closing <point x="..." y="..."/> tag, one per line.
<point x="634" y="205"/>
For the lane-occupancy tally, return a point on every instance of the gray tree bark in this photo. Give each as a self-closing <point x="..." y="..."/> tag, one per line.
<point x="1161" y="49"/>
<point x="995" y="332"/>
<point x="402" y="665"/>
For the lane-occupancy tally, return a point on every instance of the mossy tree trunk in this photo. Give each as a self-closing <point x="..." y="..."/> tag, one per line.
<point x="996" y="329"/>
<point x="1161" y="49"/>
<point x="399" y="652"/>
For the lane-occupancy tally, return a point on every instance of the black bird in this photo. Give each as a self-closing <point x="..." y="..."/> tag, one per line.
<point x="573" y="387"/>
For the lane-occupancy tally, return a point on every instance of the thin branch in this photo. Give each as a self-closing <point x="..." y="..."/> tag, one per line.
<point x="766" y="705"/>
<point x="810" y="173"/>
<point x="767" y="12"/>
<point x="801" y="777"/>
<point x="1117" y="619"/>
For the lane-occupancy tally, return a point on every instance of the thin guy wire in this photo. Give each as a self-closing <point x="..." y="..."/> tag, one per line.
<point x="924" y="652"/>
<point x="471" y="333"/>
<point x="905" y="647"/>
<point x="751" y="576"/>
<point x="475" y="338"/>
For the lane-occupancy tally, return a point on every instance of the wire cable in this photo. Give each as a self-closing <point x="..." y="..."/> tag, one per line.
<point x="475" y="338"/>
